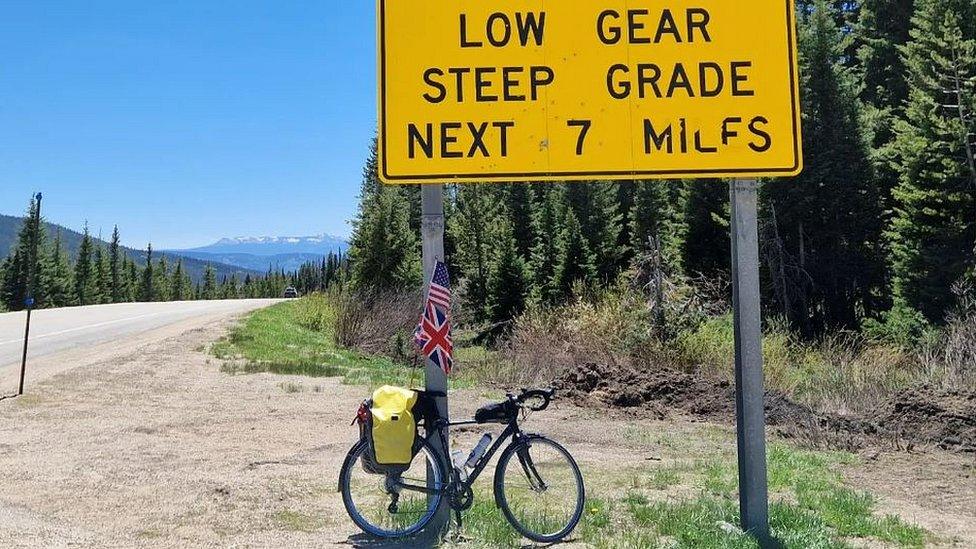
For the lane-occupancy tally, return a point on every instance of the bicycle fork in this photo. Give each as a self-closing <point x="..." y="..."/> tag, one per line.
<point x="528" y="468"/>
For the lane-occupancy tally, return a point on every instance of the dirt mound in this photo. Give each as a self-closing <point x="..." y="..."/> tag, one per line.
<point x="655" y="393"/>
<point x="660" y="391"/>
<point x="941" y="417"/>
<point x="919" y="416"/>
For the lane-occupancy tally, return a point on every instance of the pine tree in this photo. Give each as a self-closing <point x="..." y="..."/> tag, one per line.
<point x="575" y="260"/>
<point x="626" y="197"/>
<point x="545" y="253"/>
<point x="596" y="208"/>
<point x="86" y="288"/>
<point x="230" y="289"/>
<point x="474" y="228"/>
<point x="934" y="226"/>
<point x="249" y="287"/>
<point x="706" y="248"/>
<point x="657" y="215"/>
<point x="161" y="281"/>
<point x="60" y="284"/>
<point x="176" y="289"/>
<point x="131" y="283"/>
<point x="519" y="205"/>
<point x="508" y="285"/>
<point x="384" y="250"/>
<point x="3" y="280"/>
<point x="115" y="267"/>
<point x="410" y="194"/>
<point x="147" y="289"/>
<point x="209" y="289"/>
<point x="882" y="31"/>
<point x="10" y="287"/>
<point x="27" y="259"/>
<point x="823" y="229"/>
<point x="102" y="280"/>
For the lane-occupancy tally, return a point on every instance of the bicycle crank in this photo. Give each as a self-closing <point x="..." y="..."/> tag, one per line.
<point x="462" y="501"/>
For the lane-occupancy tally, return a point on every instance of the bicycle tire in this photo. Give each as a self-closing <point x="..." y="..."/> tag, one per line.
<point x="503" y="503"/>
<point x="350" y="465"/>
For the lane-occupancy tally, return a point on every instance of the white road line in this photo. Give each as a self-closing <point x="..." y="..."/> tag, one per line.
<point x="98" y="325"/>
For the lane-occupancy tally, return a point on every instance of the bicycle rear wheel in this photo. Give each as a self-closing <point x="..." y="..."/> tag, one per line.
<point x="539" y="488"/>
<point x="392" y="505"/>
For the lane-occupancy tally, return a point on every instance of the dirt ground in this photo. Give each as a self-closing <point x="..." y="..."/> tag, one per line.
<point x="149" y="444"/>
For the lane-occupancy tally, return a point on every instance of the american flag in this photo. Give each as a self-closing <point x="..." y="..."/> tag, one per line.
<point x="433" y="335"/>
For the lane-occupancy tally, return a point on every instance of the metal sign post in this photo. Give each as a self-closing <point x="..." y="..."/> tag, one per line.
<point x="29" y="299"/>
<point x="432" y="234"/>
<point x="749" y="409"/>
<point x="528" y="90"/>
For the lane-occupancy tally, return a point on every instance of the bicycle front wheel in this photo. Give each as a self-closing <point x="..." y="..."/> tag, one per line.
<point x="392" y="505"/>
<point x="539" y="488"/>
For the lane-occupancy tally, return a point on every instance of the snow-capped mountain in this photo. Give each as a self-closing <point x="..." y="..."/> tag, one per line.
<point x="275" y="252"/>
<point x="274" y="245"/>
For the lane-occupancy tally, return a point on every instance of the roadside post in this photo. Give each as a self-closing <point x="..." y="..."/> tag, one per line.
<point x="29" y="299"/>
<point x="533" y="91"/>
<point x="435" y="380"/>
<point x="750" y="417"/>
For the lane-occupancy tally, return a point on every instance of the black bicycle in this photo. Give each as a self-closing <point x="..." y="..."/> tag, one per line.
<point x="537" y="485"/>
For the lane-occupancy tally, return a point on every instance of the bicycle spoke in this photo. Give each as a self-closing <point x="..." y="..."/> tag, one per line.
<point x="541" y="491"/>
<point x="410" y="505"/>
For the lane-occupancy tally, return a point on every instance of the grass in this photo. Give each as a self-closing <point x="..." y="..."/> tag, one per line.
<point x="689" y="503"/>
<point x="295" y="338"/>
<point x="298" y="522"/>
<point x="275" y="340"/>
<point x="810" y="508"/>
<point x="841" y="371"/>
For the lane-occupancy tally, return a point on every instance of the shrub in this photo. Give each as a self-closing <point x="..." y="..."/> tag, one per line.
<point x="315" y="312"/>
<point x="954" y="359"/>
<point x="375" y="322"/>
<point x="901" y="325"/>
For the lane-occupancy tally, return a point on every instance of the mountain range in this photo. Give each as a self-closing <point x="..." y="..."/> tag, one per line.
<point x="71" y="240"/>
<point x="274" y="252"/>
<point x="228" y="256"/>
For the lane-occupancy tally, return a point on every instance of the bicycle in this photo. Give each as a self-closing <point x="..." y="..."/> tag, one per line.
<point x="538" y="485"/>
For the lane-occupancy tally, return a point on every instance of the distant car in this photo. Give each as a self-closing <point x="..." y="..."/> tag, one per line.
<point x="290" y="293"/>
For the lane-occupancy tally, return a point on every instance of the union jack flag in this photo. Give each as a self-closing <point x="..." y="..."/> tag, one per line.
<point x="433" y="334"/>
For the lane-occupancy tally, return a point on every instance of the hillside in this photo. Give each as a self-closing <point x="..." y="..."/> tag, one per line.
<point x="71" y="240"/>
<point x="286" y="262"/>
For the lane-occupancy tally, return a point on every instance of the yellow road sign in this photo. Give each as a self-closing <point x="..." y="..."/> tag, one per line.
<point x="528" y="90"/>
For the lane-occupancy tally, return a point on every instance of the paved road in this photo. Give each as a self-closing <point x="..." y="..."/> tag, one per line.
<point x="56" y="330"/>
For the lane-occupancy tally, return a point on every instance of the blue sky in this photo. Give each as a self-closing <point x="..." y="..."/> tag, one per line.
<point x="187" y="120"/>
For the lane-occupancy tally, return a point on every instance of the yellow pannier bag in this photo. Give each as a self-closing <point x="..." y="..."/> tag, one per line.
<point x="394" y="427"/>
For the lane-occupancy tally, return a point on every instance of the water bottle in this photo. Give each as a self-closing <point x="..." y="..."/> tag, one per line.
<point x="457" y="457"/>
<point x="478" y="451"/>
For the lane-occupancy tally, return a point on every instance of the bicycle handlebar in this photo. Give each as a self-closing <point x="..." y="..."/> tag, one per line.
<point x="535" y="399"/>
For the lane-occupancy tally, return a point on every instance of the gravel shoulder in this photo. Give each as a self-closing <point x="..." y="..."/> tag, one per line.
<point x="149" y="444"/>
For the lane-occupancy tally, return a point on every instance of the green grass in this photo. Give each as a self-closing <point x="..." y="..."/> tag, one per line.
<point x="810" y="508"/>
<point x="275" y="340"/>
<point x="295" y="338"/>
<point x="632" y="508"/>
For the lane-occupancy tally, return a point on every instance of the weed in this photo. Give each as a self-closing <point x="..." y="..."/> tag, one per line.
<point x="664" y="478"/>
<point x="291" y="387"/>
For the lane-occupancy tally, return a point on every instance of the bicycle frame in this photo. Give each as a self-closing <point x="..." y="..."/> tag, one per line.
<point x="512" y="431"/>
